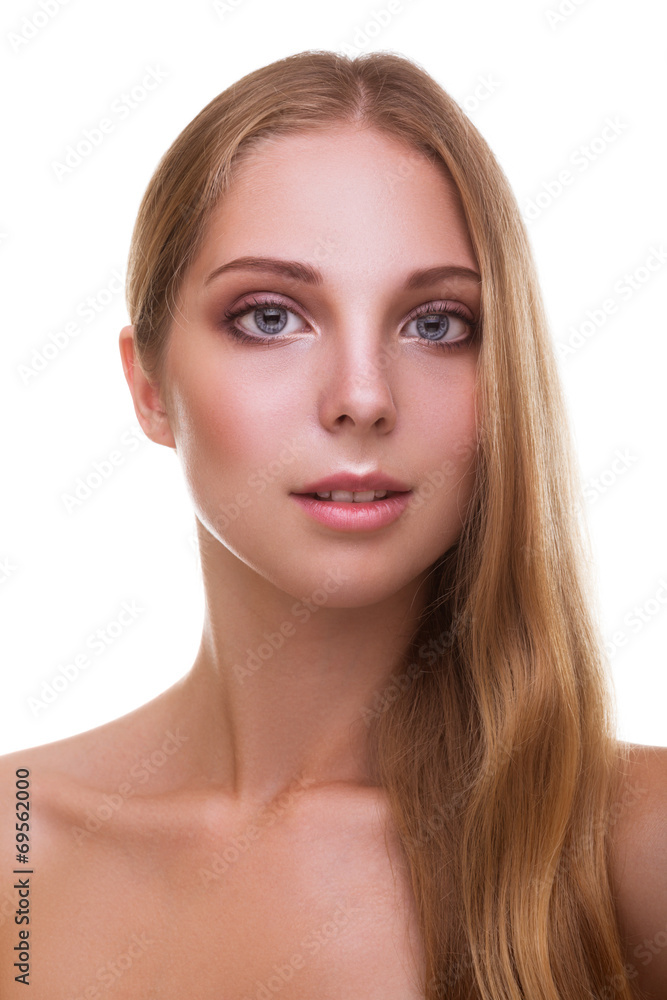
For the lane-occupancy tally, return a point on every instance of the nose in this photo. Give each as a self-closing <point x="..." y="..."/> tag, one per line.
<point x="356" y="390"/>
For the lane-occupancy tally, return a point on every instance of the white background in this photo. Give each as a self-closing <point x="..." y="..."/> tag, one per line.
<point x="539" y="85"/>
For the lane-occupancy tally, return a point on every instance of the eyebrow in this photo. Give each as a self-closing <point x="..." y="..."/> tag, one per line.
<point x="309" y="275"/>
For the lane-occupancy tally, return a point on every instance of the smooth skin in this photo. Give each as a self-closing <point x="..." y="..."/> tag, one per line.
<point x="247" y="833"/>
<point x="349" y="386"/>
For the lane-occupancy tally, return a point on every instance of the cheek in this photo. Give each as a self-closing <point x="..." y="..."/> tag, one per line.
<point x="235" y="434"/>
<point x="445" y="452"/>
<point x="443" y="419"/>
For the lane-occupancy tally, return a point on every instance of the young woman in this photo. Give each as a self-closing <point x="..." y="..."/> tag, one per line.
<point x="392" y="770"/>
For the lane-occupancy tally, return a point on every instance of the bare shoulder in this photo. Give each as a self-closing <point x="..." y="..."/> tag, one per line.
<point x="96" y="759"/>
<point x="49" y="792"/>
<point x="639" y="868"/>
<point x="27" y="777"/>
<point x="34" y="782"/>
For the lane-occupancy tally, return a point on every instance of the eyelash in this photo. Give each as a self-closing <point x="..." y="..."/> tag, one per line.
<point x="449" y="309"/>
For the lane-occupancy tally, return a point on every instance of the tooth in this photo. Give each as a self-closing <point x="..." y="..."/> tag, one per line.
<point x="347" y="496"/>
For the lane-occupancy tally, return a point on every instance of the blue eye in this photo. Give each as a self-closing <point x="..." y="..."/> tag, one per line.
<point x="270" y="315"/>
<point x="434" y="320"/>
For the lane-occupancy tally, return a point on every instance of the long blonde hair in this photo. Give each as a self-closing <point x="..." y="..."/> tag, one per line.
<point x="496" y="746"/>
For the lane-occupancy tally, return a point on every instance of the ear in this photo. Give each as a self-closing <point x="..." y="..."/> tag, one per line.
<point x="146" y="396"/>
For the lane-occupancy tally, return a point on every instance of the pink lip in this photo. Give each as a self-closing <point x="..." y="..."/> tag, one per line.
<point x="353" y="516"/>
<point x="354" y="483"/>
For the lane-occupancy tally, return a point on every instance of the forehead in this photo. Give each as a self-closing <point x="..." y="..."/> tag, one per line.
<point x="346" y="198"/>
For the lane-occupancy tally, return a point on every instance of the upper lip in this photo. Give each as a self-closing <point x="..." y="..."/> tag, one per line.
<point x="354" y="483"/>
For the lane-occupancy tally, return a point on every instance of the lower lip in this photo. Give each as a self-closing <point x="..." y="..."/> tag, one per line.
<point x="353" y="516"/>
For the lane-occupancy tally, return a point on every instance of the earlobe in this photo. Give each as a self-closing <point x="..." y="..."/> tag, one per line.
<point x="145" y="395"/>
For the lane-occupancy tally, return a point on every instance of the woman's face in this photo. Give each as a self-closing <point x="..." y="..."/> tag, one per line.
<point x="351" y="380"/>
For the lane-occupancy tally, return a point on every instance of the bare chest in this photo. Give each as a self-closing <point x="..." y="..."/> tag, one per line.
<point x="242" y="914"/>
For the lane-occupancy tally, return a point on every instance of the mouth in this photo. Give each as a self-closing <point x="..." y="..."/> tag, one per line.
<point x="349" y="496"/>
<point x="352" y="511"/>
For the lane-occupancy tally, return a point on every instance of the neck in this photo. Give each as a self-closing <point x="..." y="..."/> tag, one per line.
<point x="282" y="687"/>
